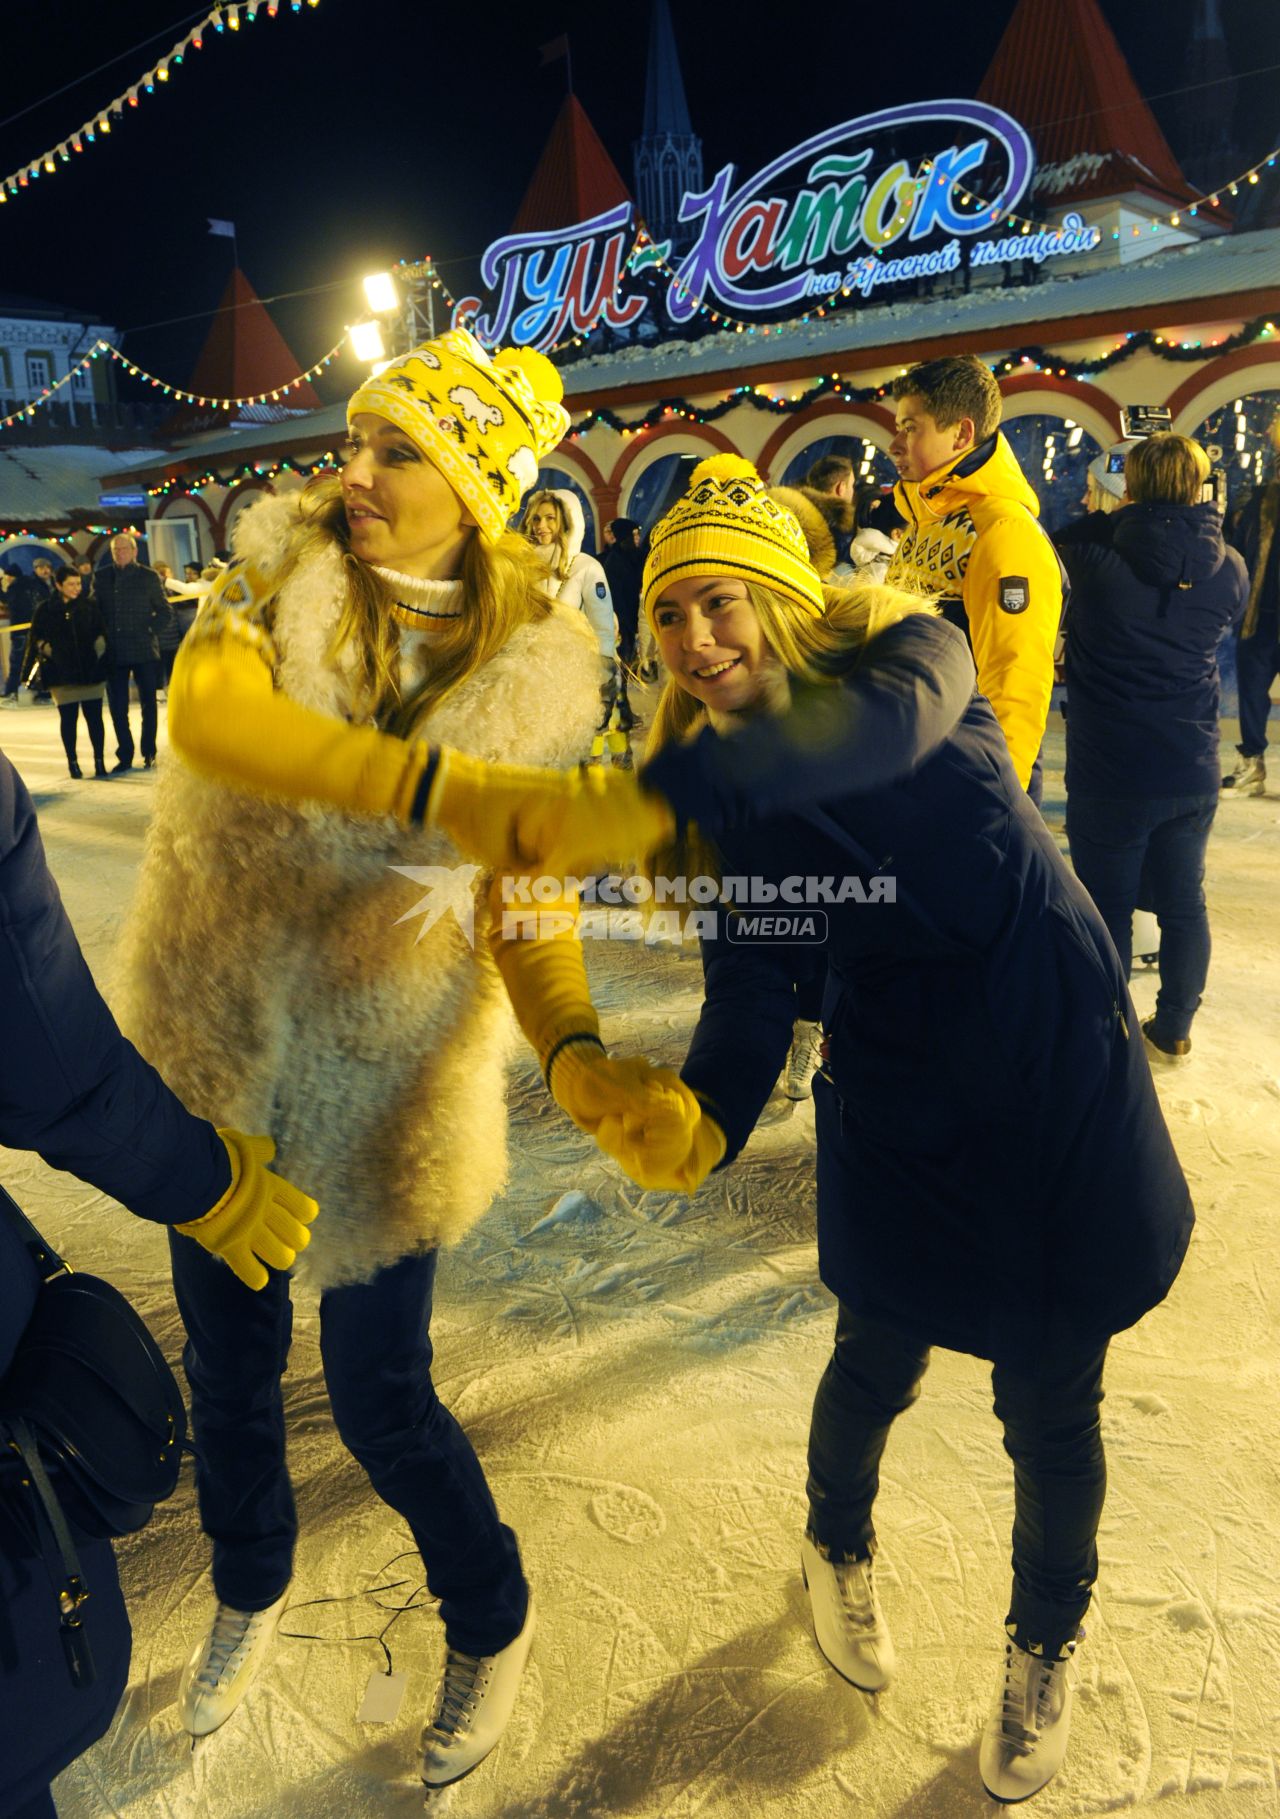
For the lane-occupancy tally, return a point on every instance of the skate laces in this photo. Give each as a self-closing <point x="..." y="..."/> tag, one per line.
<point x="459" y="1693"/>
<point x="855" y="1579"/>
<point x="232" y="1629"/>
<point x="1029" y="1680"/>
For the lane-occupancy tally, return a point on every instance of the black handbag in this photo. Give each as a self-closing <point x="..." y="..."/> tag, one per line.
<point x="92" y="1425"/>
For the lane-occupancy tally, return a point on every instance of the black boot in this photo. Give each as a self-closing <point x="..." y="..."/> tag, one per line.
<point x="74" y="768"/>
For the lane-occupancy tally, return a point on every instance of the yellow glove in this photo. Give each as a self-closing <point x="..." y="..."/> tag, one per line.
<point x="564" y="822"/>
<point x="262" y="1218"/>
<point x="645" y="1117"/>
<point x="228" y="719"/>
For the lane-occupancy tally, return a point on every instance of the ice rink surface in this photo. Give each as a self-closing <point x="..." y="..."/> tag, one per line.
<point x="636" y="1370"/>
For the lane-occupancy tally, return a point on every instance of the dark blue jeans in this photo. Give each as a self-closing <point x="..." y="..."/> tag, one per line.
<point x="376" y="1350"/>
<point x="1121" y="842"/>
<point x="1257" y="666"/>
<point x="1051" y="1432"/>
<point x="17" y="658"/>
<point x="147" y="677"/>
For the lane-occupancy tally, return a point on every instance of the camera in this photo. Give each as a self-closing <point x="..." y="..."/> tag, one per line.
<point x="1138" y="421"/>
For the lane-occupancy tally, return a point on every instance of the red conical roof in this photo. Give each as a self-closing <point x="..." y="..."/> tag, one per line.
<point x="245" y="353"/>
<point x="1059" y="70"/>
<point x="575" y="179"/>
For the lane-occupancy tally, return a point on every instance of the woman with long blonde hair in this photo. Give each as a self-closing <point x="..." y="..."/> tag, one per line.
<point x="275" y="968"/>
<point x="994" y="1174"/>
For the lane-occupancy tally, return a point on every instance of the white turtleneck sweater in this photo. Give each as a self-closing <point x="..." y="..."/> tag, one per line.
<point x="422" y="610"/>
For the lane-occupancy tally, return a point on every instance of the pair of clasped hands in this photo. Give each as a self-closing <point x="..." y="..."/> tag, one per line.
<point x="569" y="824"/>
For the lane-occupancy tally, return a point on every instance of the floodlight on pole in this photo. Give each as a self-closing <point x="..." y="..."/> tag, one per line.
<point x="366" y="341"/>
<point x="381" y="294"/>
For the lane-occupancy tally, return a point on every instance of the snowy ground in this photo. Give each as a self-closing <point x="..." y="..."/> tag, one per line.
<point x="636" y="1371"/>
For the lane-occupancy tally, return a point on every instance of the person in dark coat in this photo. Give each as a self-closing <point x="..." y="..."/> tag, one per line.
<point x="622" y="564"/>
<point x="135" y="608"/>
<point x="994" y="1174"/>
<point x="74" y="1090"/>
<point x="26" y="594"/>
<point x="1256" y="534"/>
<point x="1153" y="589"/>
<point x="69" y="638"/>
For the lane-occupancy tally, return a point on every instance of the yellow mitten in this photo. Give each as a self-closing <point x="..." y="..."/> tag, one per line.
<point x="568" y="823"/>
<point x="669" y="1140"/>
<point x="262" y="1218"/>
<point x="645" y="1117"/>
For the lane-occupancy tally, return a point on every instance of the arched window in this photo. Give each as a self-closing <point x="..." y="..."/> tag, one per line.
<point x="1054" y="454"/>
<point x="1240" y="432"/>
<point x="659" y="486"/>
<point x="871" y="466"/>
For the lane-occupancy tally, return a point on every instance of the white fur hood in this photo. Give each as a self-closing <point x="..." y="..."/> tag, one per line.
<point x="573" y="517"/>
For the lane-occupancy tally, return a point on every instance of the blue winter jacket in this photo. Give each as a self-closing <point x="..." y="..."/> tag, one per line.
<point x="1153" y="588"/>
<point x="73" y="1089"/>
<point x="991" y="1153"/>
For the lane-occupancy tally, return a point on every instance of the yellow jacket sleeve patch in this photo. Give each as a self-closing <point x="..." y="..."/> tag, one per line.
<point x="1013" y="599"/>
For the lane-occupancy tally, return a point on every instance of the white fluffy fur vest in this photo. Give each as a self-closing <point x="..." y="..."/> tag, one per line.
<point x="266" y="975"/>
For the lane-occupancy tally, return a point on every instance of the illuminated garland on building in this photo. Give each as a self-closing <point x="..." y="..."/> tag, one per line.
<point x="177" y="392"/>
<point x="1039" y="359"/>
<point x="248" y="470"/>
<point x="220" y="19"/>
<point x="830" y="386"/>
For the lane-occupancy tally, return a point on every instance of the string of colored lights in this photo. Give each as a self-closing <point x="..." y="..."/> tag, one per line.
<point x="64" y="538"/>
<point x="248" y="470"/>
<point x="177" y="392"/>
<point x="833" y="386"/>
<point x="1155" y="222"/>
<point x="220" y="19"/>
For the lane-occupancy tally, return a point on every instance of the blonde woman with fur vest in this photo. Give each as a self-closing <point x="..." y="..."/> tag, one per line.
<point x="303" y="997"/>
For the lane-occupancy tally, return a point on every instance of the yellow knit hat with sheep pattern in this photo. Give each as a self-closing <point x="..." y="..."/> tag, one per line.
<point x="486" y="423"/>
<point x="727" y="524"/>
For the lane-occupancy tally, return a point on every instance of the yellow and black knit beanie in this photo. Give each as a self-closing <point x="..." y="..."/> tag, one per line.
<point x="486" y="423"/>
<point x="727" y="524"/>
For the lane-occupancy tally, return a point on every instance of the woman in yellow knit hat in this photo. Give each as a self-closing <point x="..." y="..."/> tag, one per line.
<point x="993" y="1171"/>
<point x="274" y="969"/>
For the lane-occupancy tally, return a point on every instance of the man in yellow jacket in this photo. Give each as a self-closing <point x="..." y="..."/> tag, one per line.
<point x="973" y="539"/>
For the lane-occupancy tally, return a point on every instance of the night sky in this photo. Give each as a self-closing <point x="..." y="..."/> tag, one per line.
<point x="363" y="131"/>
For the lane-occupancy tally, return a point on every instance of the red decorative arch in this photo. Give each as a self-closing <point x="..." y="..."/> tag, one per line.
<point x="569" y="451"/>
<point x="257" y="484"/>
<point x="644" y="440"/>
<point x="1204" y="377"/>
<point x="1077" y="389"/>
<point x="820" y="409"/>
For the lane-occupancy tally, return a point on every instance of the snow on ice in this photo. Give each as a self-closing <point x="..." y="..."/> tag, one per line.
<point x="636" y="1370"/>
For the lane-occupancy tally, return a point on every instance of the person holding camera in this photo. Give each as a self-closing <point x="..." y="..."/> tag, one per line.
<point x="1153" y="588"/>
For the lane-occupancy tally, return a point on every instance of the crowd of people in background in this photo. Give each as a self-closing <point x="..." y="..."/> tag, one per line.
<point x="83" y="635"/>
